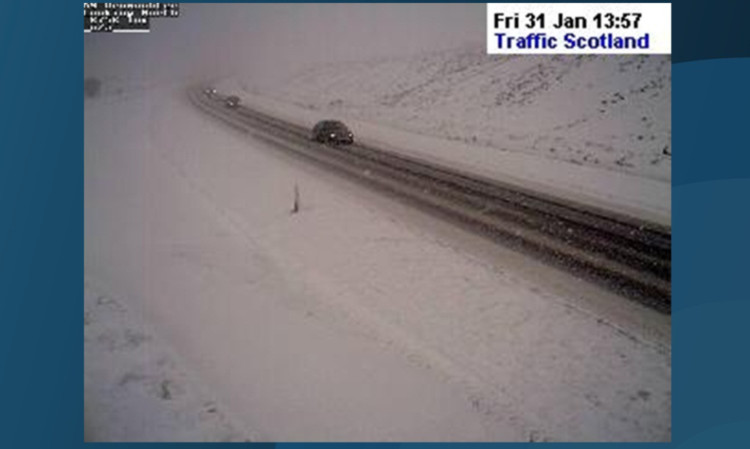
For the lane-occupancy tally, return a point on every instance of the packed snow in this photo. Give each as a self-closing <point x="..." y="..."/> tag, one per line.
<point x="500" y="116"/>
<point x="214" y="313"/>
<point x="136" y="385"/>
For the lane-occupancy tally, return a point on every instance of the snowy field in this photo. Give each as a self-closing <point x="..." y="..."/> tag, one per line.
<point x="212" y="313"/>
<point x="596" y="129"/>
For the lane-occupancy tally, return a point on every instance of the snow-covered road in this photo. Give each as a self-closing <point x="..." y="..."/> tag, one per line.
<point x="354" y="319"/>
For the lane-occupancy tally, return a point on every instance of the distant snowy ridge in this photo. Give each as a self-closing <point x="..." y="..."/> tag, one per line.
<point x="610" y="112"/>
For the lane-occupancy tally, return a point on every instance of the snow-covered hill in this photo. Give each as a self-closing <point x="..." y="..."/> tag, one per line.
<point x="610" y="112"/>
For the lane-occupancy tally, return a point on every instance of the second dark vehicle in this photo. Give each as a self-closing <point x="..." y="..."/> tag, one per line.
<point x="232" y="101"/>
<point x="333" y="132"/>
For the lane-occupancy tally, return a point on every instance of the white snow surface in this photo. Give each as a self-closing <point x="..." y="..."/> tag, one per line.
<point x="594" y="129"/>
<point x="136" y="385"/>
<point x="356" y="319"/>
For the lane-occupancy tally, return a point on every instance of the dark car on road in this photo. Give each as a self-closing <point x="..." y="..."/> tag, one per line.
<point x="232" y="101"/>
<point x="332" y="131"/>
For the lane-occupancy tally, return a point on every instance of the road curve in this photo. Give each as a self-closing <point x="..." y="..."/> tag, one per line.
<point x="630" y="256"/>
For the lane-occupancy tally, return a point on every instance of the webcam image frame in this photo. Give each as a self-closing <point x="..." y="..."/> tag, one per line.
<point x="349" y="222"/>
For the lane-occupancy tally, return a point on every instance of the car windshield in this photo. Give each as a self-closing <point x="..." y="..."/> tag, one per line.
<point x="335" y="126"/>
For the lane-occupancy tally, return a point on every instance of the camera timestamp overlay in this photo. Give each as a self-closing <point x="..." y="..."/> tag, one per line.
<point x="579" y="28"/>
<point x="125" y="17"/>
